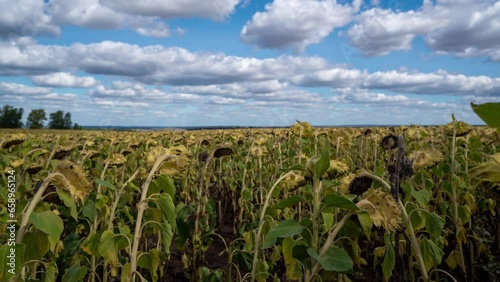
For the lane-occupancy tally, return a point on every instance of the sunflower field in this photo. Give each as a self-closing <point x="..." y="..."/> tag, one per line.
<point x="408" y="203"/>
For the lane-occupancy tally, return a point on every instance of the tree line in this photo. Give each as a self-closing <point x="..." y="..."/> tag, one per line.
<point x="11" y="117"/>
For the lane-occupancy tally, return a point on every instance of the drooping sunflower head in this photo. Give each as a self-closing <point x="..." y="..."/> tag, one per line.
<point x="62" y="151"/>
<point x="461" y="128"/>
<point x="294" y="180"/>
<point x="426" y="158"/>
<point x="360" y="184"/>
<point x="489" y="171"/>
<point x="34" y="168"/>
<point x="224" y="151"/>
<point x="383" y="209"/>
<point x="171" y="166"/>
<point x="345" y="181"/>
<point x="303" y="129"/>
<point x="14" y="139"/>
<point x="336" y="169"/>
<point x="115" y="160"/>
<point x="75" y="180"/>
<point x="389" y="142"/>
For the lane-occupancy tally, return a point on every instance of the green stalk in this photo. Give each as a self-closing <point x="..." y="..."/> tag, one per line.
<point x="455" y="199"/>
<point x="142" y="206"/>
<point x="261" y="225"/>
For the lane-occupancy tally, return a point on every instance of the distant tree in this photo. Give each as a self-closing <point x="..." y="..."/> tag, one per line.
<point x="58" y="120"/>
<point x="77" y="126"/>
<point x="10" y="117"/>
<point x="36" y="119"/>
<point x="67" y="121"/>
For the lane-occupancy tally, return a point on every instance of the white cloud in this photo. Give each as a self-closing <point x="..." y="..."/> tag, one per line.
<point x="466" y="28"/>
<point x="10" y="88"/>
<point x="215" y="9"/>
<point x="296" y="23"/>
<point x="158" y="29"/>
<point x="25" y="18"/>
<point x="64" y="79"/>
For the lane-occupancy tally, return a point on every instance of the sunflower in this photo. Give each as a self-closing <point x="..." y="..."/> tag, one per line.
<point x="303" y="129"/>
<point x="345" y="181"/>
<point x="14" y="139"/>
<point x="75" y="180"/>
<point x="389" y="142"/>
<point x="62" y="151"/>
<point x="461" y="128"/>
<point x="172" y="166"/>
<point x="426" y="158"/>
<point x="360" y="184"/>
<point x="383" y="209"/>
<point x="115" y="160"/>
<point x="336" y="169"/>
<point x="34" y="168"/>
<point x="489" y="171"/>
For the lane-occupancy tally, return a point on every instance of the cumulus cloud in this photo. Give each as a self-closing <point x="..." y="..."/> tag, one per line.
<point x="64" y="79"/>
<point x="10" y="88"/>
<point x="466" y="28"/>
<point x="25" y="18"/>
<point x="296" y="24"/>
<point x="167" y="9"/>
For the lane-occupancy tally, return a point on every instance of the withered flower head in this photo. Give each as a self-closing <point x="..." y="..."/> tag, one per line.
<point x="383" y="209"/>
<point x="14" y="139"/>
<point x="62" y="151"/>
<point x="220" y="152"/>
<point x="426" y="158"/>
<point x="461" y="128"/>
<point x="115" y="160"/>
<point x="336" y="169"/>
<point x="360" y="184"/>
<point x="389" y="142"/>
<point x="75" y="180"/>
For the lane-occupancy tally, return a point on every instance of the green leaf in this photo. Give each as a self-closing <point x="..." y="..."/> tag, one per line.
<point x="489" y="113"/>
<point x="11" y="268"/>
<point x="105" y="183"/>
<point x="285" y="228"/>
<point x="91" y="244"/>
<point x="68" y="201"/>
<point x="322" y="165"/>
<point x="150" y="261"/>
<point x="366" y="223"/>
<point x="389" y="259"/>
<point x="50" y="272"/>
<point x="125" y="276"/>
<point x="335" y="259"/>
<point x="166" y="204"/>
<point x="434" y="224"/>
<point x="422" y="196"/>
<point x="340" y="201"/>
<point x="37" y="245"/>
<point x="431" y="254"/>
<point x="298" y="167"/>
<point x="110" y="245"/>
<point x="293" y="266"/>
<point x="50" y="223"/>
<point x="288" y="202"/>
<point x="75" y="273"/>
<point x="327" y="220"/>
<point x="166" y="237"/>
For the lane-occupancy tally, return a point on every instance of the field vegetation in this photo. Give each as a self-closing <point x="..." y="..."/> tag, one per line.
<point x="408" y="203"/>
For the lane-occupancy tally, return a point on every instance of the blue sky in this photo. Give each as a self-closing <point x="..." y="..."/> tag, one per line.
<point x="249" y="62"/>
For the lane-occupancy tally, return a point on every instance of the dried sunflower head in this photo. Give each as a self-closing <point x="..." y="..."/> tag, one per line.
<point x="115" y="160"/>
<point x="303" y="129"/>
<point x="383" y="209"/>
<point x="336" y="169"/>
<point x="389" y="142"/>
<point x="14" y="139"/>
<point x="258" y="150"/>
<point x="360" y="184"/>
<point x="426" y="158"/>
<point x="345" y="181"/>
<point x="224" y="151"/>
<point x="34" y="168"/>
<point x="461" y="128"/>
<point x="172" y="166"/>
<point x="294" y="180"/>
<point x="489" y="171"/>
<point x="75" y="180"/>
<point x="91" y="154"/>
<point x="62" y="151"/>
